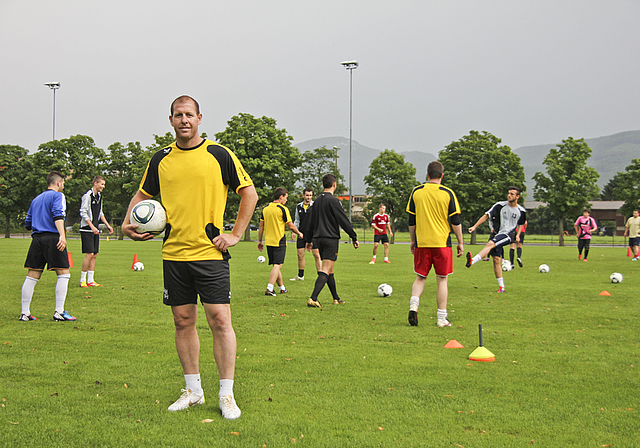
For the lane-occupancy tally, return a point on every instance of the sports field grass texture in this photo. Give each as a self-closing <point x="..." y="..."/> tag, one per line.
<point x="565" y="374"/>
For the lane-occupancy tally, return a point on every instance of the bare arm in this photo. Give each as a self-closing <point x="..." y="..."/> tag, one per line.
<point x="130" y="229"/>
<point x="248" y="201"/>
<point x="482" y="219"/>
<point x="457" y="230"/>
<point x="106" y="223"/>
<point x="294" y="229"/>
<point x="260" y="233"/>
<point x="412" y="235"/>
<point x="62" y="241"/>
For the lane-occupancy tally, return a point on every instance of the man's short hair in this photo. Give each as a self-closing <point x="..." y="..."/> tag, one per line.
<point x="586" y="210"/>
<point x="435" y="170"/>
<point x="328" y="180"/>
<point x="53" y="177"/>
<point x="381" y="205"/>
<point x="97" y="179"/>
<point x="279" y="193"/>
<point x="185" y="98"/>
<point x="307" y="189"/>
<point x="636" y="210"/>
<point x="514" y="188"/>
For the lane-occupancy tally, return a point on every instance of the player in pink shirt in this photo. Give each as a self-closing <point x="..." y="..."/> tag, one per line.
<point x="381" y="225"/>
<point x="585" y="225"/>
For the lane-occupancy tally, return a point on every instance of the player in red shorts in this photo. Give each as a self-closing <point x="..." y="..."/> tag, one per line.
<point x="382" y="232"/>
<point x="431" y="208"/>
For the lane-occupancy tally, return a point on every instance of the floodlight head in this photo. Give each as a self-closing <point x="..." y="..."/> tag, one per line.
<point x="350" y="65"/>
<point x="52" y="85"/>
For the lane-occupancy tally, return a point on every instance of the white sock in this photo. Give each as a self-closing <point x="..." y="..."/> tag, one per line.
<point x="193" y="382"/>
<point x="414" y="303"/>
<point x="501" y="281"/>
<point x="442" y="314"/>
<point x="90" y="276"/>
<point x="269" y="287"/>
<point x="83" y="276"/>
<point x="226" y="388"/>
<point x="61" y="291"/>
<point x="386" y="258"/>
<point x="475" y="259"/>
<point x="282" y="288"/>
<point x="374" y="257"/>
<point x="27" y="294"/>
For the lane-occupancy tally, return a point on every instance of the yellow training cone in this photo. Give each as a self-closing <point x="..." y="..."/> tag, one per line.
<point x="482" y="354"/>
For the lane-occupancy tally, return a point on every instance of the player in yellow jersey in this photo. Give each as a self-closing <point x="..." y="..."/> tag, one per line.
<point x="431" y="208"/>
<point x="272" y="221"/>
<point x="192" y="176"/>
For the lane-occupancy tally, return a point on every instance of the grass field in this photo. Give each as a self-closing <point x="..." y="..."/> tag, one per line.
<point x="566" y="369"/>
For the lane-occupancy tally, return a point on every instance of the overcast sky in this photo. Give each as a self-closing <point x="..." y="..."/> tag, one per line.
<point x="530" y="72"/>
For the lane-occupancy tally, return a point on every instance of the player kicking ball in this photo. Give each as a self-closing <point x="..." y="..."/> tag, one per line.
<point x="508" y="217"/>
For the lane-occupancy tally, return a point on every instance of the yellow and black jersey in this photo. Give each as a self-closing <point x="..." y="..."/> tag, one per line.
<point x="275" y="216"/>
<point x="193" y="185"/>
<point x="430" y="207"/>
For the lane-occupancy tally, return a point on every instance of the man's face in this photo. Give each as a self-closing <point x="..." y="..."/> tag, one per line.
<point x="382" y="209"/>
<point x="185" y="120"/>
<point x="585" y="214"/>
<point x="99" y="186"/>
<point x="512" y="196"/>
<point x="284" y="198"/>
<point x="308" y="195"/>
<point x="636" y="214"/>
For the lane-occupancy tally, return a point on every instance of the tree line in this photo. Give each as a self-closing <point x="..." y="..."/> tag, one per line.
<point x="478" y="167"/>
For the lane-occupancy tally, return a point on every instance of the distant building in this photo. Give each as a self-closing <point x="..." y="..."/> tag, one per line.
<point x="600" y="210"/>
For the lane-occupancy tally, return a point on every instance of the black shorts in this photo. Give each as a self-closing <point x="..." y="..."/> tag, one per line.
<point x="584" y="243"/>
<point x="276" y="254"/>
<point x="634" y="241"/>
<point x="381" y="239"/>
<point x="522" y="237"/>
<point x="301" y="243"/>
<point x="328" y="248"/>
<point x="90" y="242"/>
<point x="43" y="251"/>
<point x="497" y="252"/>
<point x="184" y="281"/>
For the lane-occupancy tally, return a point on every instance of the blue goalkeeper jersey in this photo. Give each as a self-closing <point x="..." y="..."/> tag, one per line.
<point x="48" y="207"/>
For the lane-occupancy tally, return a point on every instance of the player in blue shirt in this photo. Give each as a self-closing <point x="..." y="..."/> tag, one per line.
<point x="45" y="219"/>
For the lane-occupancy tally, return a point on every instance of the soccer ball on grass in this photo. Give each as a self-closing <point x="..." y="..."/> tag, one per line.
<point x="384" y="290"/>
<point x="506" y="265"/>
<point x="138" y="266"/>
<point x="543" y="268"/>
<point x="261" y="259"/>
<point x="616" y="277"/>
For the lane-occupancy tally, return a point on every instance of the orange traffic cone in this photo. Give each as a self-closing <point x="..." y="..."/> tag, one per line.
<point x="629" y="253"/>
<point x="605" y="293"/>
<point x="70" y="260"/>
<point x="135" y="260"/>
<point x="453" y="344"/>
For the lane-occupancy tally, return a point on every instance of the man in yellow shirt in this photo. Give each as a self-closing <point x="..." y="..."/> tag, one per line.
<point x="272" y="221"/>
<point x="193" y="176"/>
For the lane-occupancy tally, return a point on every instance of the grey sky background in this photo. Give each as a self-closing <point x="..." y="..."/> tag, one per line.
<point x="530" y="72"/>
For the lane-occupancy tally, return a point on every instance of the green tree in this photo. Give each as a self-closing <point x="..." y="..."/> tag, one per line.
<point x="266" y="153"/>
<point x="77" y="157"/>
<point x="627" y="187"/>
<point x="14" y="200"/>
<point x="390" y="181"/>
<point x="123" y="172"/>
<point x="315" y="164"/>
<point x="569" y="183"/>
<point x="479" y="170"/>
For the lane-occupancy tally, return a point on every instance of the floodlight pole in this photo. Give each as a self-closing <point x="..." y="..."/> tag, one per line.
<point x="53" y="86"/>
<point x="350" y="65"/>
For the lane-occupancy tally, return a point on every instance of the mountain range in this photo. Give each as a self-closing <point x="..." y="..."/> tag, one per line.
<point x="610" y="154"/>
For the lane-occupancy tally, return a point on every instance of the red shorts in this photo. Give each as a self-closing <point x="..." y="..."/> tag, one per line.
<point x="441" y="258"/>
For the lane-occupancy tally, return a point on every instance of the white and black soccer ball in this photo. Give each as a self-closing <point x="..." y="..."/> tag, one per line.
<point x="261" y="259"/>
<point x="506" y="265"/>
<point x="138" y="266"/>
<point x="616" y="277"/>
<point x="384" y="290"/>
<point x="543" y="268"/>
<point x="150" y="217"/>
